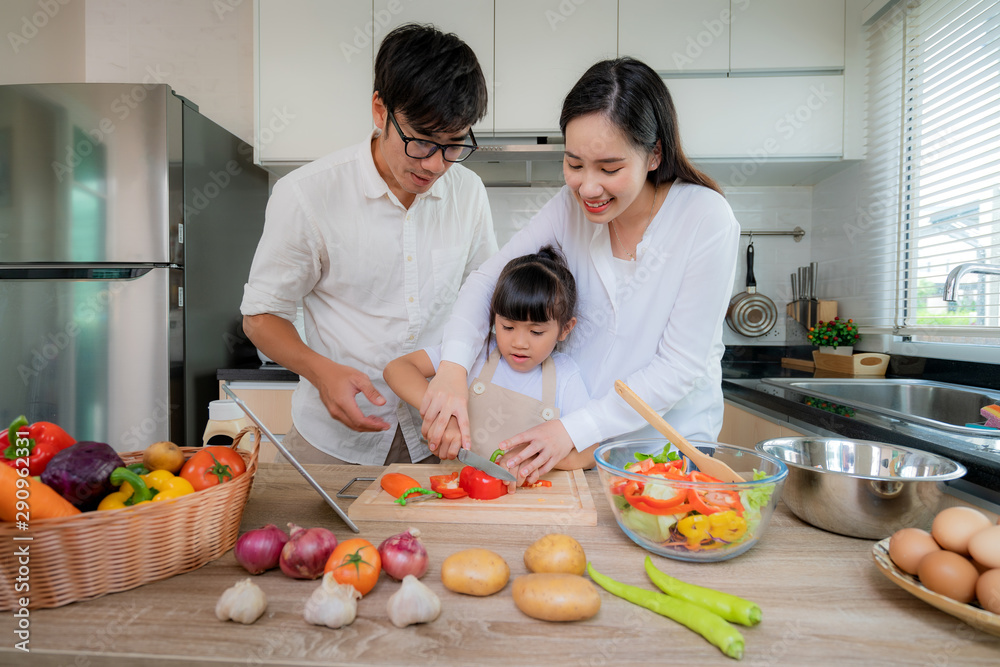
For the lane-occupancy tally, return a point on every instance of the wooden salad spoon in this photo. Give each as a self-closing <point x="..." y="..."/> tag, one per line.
<point x="705" y="463"/>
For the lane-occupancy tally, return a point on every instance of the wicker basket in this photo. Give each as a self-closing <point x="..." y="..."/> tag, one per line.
<point x="91" y="554"/>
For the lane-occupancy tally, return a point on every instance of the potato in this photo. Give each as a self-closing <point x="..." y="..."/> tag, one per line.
<point x="475" y="572"/>
<point x="552" y="596"/>
<point x="556" y="553"/>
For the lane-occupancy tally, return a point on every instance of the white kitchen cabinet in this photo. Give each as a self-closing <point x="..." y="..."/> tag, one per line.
<point x="314" y="77"/>
<point x="471" y="20"/>
<point x="676" y="35"/>
<point x="541" y="51"/>
<point x="787" y="35"/>
<point x="760" y="118"/>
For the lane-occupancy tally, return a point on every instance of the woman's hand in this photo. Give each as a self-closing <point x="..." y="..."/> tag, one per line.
<point x="545" y="445"/>
<point x="447" y="396"/>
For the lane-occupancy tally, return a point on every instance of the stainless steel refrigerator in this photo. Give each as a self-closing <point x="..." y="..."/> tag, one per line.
<point x="128" y="221"/>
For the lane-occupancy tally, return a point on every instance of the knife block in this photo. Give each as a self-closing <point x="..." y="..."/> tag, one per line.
<point x="800" y="312"/>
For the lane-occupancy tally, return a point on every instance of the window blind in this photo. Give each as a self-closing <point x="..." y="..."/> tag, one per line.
<point x="931" y="181"/>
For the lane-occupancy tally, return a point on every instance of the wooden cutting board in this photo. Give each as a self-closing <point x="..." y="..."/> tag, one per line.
<point x="568" y="501"/>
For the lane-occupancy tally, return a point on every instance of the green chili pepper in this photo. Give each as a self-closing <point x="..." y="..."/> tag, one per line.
<point x="417" y="489"/>
<point x="729" y="607"/>
<point x="710" y="626"/>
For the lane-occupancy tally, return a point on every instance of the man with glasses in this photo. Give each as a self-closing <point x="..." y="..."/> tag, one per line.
<point x="375" y="240"/>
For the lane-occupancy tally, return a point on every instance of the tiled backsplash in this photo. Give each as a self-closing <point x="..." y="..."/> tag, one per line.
<point x="756" y="208"/>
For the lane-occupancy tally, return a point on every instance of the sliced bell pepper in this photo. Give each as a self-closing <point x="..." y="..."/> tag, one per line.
<point x="696" y="529"/>
<point x="727" y="526"/>
<point x="44" y="440"/>
<point x="714" y="500"/>
<point x="479" y="485"/>
<point x="538" y="484"/>
<point x="447" y="485"/>
<point x="660" y="506"/>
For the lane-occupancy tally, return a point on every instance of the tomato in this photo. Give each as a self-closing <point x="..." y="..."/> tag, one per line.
<point x="212" y="466"/>
<point x="355" y="562"/>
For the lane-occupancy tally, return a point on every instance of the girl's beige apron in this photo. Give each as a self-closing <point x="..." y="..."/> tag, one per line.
<point x="497" y="413"/>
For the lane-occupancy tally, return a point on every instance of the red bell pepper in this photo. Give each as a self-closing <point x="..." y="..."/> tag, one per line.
<point x="660" y="506"/>
<point x="45" y="440"/>
<point x="714" y="500"/>
<point x="538" y="484"/>
<point x="479" y="485"/>
<point x="447" y="485"/>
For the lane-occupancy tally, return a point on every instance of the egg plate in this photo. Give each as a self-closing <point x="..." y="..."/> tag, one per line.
<point x="975" y="616"/>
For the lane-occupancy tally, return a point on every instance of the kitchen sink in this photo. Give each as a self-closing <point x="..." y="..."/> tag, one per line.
<point x="950" y="407"/>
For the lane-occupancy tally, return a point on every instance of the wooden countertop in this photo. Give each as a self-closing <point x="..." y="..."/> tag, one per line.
<point x="823" y="599"/>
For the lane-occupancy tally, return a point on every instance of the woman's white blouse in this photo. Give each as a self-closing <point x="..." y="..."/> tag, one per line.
<point x="661" y="333"/>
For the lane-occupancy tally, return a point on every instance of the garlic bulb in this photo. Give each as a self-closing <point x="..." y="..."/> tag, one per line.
<point x="333" y="605"/>
<point x="243" y="603"/>
<point x="413" y="603"/>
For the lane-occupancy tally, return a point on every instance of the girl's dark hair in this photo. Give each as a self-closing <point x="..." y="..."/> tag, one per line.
<point x="635" y="99"/>
<point x="430" y="77"/>
<point x="535" y="288"/>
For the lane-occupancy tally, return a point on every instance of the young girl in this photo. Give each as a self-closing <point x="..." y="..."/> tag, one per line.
<point x="519" y="381"/>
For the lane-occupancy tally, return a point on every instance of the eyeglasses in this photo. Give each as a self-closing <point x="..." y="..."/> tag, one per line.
<point x="420" y="149"/>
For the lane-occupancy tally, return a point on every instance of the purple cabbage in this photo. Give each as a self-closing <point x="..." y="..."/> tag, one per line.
<point x="81" y="473"/>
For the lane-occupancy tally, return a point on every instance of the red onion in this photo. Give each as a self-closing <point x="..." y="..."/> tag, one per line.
<point x="403" y="554"/>
<point x="259" y="550"/>
<point x="306" y="553"/>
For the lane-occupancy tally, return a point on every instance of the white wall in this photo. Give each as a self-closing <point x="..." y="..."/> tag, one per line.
<point x="202" y="48"/>
<point x="42" y="41"/>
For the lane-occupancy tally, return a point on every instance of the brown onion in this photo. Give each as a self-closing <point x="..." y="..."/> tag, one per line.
<point x="403" y="554"/>
<point x="259" y="550"/>
<point x="306" y="553"/>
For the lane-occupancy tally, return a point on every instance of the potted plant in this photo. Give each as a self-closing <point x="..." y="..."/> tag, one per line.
<point x="835" y="336"/>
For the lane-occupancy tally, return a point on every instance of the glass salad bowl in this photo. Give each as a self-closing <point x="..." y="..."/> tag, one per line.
<point x="665" y="505"/>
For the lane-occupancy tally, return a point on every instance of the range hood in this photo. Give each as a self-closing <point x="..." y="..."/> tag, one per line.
<point x="519" y="161"/>
<point x="537" y="162"/>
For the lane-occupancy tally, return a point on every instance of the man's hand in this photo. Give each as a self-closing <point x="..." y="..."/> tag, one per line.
<point x="447" y="396"/>
<point x="338" y="385"/>
<point x="545" y="445"/>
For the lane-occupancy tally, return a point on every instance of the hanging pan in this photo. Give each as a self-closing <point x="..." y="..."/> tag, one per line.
<point x="751" y="314"/>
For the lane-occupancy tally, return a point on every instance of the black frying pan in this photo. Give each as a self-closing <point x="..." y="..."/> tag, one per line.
<point x="751" y="314"/>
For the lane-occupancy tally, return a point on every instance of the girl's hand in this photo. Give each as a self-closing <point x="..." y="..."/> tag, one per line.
<point x="447" y="396"/>
<point x="545" y="445"/>
<point x="451" y="441"/>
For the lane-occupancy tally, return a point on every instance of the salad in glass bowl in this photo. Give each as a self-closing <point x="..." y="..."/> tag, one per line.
<point x="666" y="505"/>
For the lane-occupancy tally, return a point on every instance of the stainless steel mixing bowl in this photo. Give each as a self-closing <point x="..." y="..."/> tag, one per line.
<point x="861" y="488"/>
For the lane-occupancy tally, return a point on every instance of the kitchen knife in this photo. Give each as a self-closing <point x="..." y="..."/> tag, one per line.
<point x="484" y="464"/>
<point x="813" y="303"/>
<point x="802" y="309"/>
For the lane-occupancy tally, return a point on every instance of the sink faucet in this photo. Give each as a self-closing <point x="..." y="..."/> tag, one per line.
<point x="951" y="283"/>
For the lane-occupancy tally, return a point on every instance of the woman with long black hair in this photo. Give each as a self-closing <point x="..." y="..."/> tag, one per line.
<point x="652" y="244"/>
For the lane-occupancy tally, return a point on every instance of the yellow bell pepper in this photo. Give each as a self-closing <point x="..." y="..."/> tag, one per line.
<point x="727" y="526"/>
<point x="695" y="527"/>
<point x="136" y="490"/>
